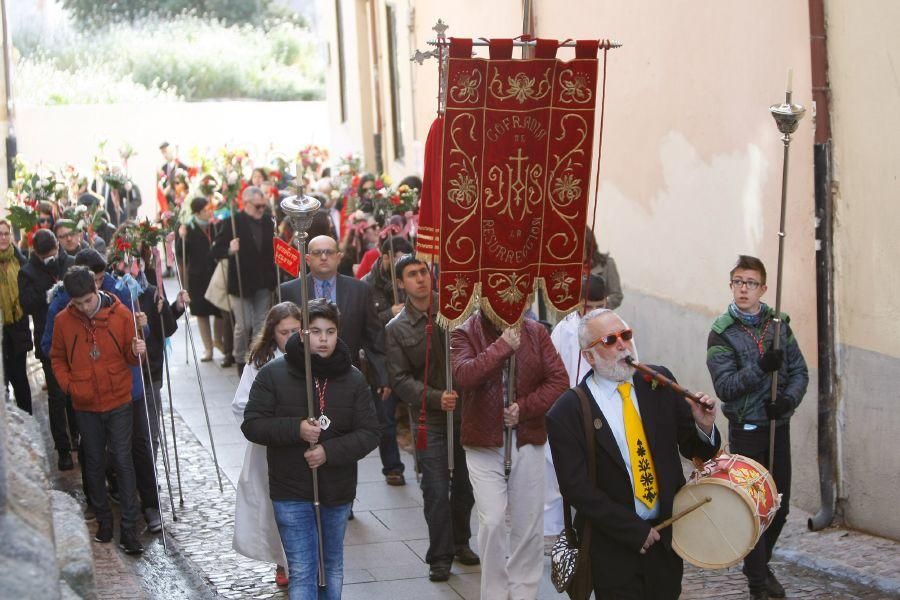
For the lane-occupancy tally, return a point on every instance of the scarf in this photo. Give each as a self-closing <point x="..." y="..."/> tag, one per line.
<point x="322" y="368"/>
<point x="9" y="286"/>
<point x="750" y="320"/>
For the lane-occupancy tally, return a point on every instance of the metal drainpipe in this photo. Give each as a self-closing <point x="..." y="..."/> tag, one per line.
<point x="824" y="207"/>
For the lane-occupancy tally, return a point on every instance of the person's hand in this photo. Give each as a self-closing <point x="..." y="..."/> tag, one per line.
<point x="315" y="457"/>
<point x="384" y="392"/>
<point x="512" y="336"/>
<point x="704" y="412"/>
<point x="511" y="415"/>
<point x="771" y="360"/>
<point x="652" y="538"/>
<point x="448" y="401"/>
<point x="396" y="308"/>
<point x="234" y="247"/>
<point x="310" y="431"/>
<point x="781" y="407"/>
<point x="183" y="298"/>
<point x="138" y="346"/>
<point x="141" y="318"/>
<point x="159" y="304"/>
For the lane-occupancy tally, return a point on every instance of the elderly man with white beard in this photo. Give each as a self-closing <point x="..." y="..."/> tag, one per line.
<point x="640" y="429"/>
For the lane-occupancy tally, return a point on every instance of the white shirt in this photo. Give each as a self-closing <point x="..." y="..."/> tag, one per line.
<point x="242" y="393"/>
<point x="565" y="340"/>
<point x="606" y="396"/>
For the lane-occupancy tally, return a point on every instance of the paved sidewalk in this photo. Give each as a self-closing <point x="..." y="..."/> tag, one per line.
<point x="386" y="544"/>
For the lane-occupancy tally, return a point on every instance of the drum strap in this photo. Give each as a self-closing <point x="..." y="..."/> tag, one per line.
<point x="592" y="471"/>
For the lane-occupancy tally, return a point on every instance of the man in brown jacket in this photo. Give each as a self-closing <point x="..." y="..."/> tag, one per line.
<point x="94" y="343"/>
<point x="511" y="557"/>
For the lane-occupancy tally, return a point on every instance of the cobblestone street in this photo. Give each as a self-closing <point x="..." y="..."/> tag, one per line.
<point x="386" y="543"/>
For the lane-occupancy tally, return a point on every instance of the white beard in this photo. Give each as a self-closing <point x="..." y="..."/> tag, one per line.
<point x="614" y="370"/>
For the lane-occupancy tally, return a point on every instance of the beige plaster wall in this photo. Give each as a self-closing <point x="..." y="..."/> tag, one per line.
<point x="864" y="70"/>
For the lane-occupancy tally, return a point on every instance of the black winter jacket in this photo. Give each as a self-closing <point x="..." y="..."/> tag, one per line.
<point x="272" y="418"/>
<point x="35" y="281"/>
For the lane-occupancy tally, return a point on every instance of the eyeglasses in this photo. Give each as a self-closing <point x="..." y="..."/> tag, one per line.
<point x="610" y="340"/>
<point x="65" y="236"/>
<point x="258" y="206"/>
<point x="323" y="252"/>
<point x="749" y="283"/>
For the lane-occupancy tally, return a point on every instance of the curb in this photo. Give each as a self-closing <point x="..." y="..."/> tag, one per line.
<point x="839" y="570"/>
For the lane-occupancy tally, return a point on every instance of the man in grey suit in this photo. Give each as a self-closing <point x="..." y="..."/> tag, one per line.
<point x="360" y="329"/>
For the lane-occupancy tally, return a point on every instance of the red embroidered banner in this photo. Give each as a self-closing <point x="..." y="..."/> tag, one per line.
<point x="515" y="161"/>
<point x="286" y="256"/>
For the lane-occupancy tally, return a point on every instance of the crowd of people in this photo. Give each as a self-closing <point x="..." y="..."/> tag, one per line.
<point x="100" y="318"/>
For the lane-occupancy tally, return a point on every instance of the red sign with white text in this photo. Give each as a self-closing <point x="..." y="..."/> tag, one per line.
<point x="286" y="256"/>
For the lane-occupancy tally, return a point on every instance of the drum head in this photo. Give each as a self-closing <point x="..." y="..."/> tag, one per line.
<point x="721" y="532"/>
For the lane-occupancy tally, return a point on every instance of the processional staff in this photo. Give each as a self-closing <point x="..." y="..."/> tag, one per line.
<point x="300" y="210"/>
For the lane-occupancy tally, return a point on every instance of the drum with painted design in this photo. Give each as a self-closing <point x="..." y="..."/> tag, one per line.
<point x="744" y="500"/>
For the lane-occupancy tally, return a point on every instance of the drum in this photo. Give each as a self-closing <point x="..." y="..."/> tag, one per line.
<point x="743" y="502"/>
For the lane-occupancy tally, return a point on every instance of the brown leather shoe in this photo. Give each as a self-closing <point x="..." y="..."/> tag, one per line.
<point x="465" y="556"/>
<point x="395" y="479"/>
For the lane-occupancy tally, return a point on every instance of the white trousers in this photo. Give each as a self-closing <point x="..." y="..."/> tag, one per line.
<point x="553" y="506"/>
<point x="512" y="554"/>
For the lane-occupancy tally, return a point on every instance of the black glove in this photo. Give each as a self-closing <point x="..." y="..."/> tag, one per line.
<point x="771" y="360"/>
<point x="781" y="407"/>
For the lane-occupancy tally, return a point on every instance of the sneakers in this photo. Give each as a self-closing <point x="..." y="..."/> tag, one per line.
<point x="130" y="543"/>
<point x="65" y="461"/>
<point x="439" y="572"/>
<point x="154" y="521"/>
<point x="281" y="578"/>
<point x="465" y="556"/>
<point x="104" y="533"/>
<point x="773" y="586"/>
<point x="395" y="479"/>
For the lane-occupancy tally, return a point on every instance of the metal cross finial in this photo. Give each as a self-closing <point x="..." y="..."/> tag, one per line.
<point x="440" y="27"/>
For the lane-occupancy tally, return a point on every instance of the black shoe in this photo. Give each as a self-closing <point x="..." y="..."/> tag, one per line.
<point x="395" y="479"/>
<point x="104" y="532"/>
<point x="759" y="595"/>
<point x="65" y="461"/>
<point x="439" y="572"/>
<point x="465" y="556"/>
<point x="773" y="586"/>
<point x="352" y="516"/>
<point x="129" y="542"/>
<point x="226" y="362"/>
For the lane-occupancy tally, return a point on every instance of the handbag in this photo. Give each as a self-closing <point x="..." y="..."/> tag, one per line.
<point x="570" y="561"/>
<point x="217" y="290"/>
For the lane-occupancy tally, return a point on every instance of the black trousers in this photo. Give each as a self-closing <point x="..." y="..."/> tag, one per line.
<point x="658" y="577"/>
<point x="143" y="456"/>
<point x="448" y="506"/>
<point x="112" y="431"/>
<point x="755" y="444"/>
<point x="63" y="427"/>
<point x="15" y="371"/>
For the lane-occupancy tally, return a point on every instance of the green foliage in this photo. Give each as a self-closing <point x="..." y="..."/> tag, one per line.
<point x="94" y="13"/>
<point x="187" y="57"/>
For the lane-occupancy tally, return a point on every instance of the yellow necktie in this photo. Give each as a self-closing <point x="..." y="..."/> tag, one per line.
<point x="643" y="473"/>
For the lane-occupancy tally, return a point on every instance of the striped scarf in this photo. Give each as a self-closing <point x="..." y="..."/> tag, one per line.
<point x="9" y="286"/>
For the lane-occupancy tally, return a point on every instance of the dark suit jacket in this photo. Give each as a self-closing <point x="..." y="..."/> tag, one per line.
<point x="360" y="327"/>
<point x="257" y="264"/>
<point x="618" y="533"/>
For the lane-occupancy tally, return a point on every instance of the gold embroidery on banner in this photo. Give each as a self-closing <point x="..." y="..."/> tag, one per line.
<point x="521" y="87"/>
<point x="511" y="293"/>
<point x="463" y="191"/>
<point x="519" y="190"/>
<point x="457" y="290"/>
<point x="561" y="282"/>
<point x="566" y="190"/>
<point x="575" y="87"/>
<point x="465" y="89"/>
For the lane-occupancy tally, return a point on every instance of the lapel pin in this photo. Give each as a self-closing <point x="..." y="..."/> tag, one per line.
<point x="598" y="423"/>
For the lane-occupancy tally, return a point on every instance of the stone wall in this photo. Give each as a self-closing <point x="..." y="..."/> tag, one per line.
<point x="44" y="544"/>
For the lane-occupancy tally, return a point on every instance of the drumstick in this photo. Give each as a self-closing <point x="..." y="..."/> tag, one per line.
<point x="675" y="517"/>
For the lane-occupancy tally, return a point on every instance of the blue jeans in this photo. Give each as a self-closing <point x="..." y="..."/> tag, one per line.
<point x="296" y="520"/>
<point x="388" y="448"/>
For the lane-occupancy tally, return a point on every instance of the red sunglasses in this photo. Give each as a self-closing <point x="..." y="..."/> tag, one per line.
<point x="610" y="340"/>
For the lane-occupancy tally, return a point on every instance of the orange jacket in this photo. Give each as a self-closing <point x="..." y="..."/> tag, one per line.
<point x="105" y="383"/>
